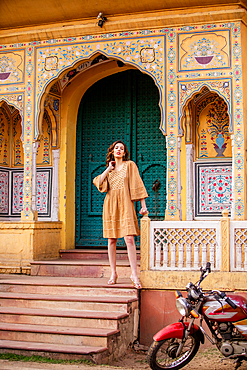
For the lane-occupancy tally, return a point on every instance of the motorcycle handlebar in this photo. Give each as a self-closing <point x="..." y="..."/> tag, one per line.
<point x="228" y="300"/>
<point x="231" y="303"/>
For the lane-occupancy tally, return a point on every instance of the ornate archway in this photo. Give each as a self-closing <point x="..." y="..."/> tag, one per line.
<point x="206" y="129"/>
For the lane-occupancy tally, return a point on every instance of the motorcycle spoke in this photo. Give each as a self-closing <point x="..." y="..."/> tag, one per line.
<point x="164" y="357"/>
<point x="164" y="354"/>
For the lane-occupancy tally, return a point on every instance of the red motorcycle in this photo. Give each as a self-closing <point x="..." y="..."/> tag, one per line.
<point x="226" y="317"/>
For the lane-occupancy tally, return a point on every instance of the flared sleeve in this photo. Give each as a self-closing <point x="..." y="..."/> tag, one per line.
<point x="104" y="187"/>
<point x="136" y="186"/>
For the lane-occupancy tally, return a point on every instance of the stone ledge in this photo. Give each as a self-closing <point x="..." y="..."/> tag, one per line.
<point x="173" y="280"/>
<point x="35" y="225"/>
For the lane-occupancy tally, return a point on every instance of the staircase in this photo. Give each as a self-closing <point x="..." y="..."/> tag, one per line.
<point x="66" y="309"/>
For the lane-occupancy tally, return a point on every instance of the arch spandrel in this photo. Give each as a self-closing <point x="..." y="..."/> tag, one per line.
<point x="17" y="101"/>
<point x="145" y="54"/>
<point x="189" y="89"/>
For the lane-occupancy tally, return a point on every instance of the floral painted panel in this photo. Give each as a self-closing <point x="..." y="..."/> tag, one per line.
<point x="4" y="192"/>
<point x="4" y="137"/>
<point x="17" y="192"/>
<point x="213" y="139"/>
<point x="213" y="188"/>
<point x="43" y="192"/>
<point x="204" y="50"/>
<point x="12" y="67"/>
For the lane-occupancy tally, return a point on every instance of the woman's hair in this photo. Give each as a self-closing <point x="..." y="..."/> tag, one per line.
<point x="110" y="152"/>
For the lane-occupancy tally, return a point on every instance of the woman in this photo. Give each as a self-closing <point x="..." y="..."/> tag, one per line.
<point x="124" y="186"/>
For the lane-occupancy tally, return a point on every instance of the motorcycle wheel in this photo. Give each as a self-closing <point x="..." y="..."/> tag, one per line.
<point x="162" y="355"/>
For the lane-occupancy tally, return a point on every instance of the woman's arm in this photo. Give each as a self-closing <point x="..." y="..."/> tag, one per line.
<point x="143" y="210"/>
<point x="105" y="173"/>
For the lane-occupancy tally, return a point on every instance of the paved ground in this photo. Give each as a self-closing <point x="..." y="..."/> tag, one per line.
<point x="208" y="359"/>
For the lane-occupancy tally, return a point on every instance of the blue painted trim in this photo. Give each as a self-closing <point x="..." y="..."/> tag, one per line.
<point x="205" y="83"/>
<point x="160" y="87"/>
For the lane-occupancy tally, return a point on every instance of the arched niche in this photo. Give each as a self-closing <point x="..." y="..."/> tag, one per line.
<point x="206" y="133"/>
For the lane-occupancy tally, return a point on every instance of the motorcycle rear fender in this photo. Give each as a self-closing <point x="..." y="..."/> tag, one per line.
<point x="176" y="330"/>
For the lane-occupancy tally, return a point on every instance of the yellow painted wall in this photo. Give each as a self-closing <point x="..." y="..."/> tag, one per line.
<point x="22" y="243"/>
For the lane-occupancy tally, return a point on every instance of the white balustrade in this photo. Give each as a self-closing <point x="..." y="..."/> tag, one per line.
<point x="238" y="245"/>
<point x="184" y="245"/>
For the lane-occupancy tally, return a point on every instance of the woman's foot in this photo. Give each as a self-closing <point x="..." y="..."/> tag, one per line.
<point x="113" y="280"/>
<point x="136" y="282"/>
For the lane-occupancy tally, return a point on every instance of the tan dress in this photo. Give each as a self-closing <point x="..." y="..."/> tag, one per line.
<point x="123" y="188"/>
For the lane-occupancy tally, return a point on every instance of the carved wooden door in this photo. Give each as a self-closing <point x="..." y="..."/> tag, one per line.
<point x="122" y="106"/>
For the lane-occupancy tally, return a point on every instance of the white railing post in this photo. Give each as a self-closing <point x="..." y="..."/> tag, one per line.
<point x="173" y="255"/>
<point x="180" y="256"/>
<point x="188" y="255"/>
<point x="211" y="255"/>
<point x="165" y="256"/>
<point x="204" y="254"/>
<point x="157" y="256"/>
<point x="196" y="256"/>
<point x="239" y="256"/>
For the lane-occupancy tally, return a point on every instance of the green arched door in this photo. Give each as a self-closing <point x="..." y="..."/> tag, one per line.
<point x="122" y="106"/>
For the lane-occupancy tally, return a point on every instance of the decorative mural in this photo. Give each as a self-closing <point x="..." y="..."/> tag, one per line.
<point x="213" y="137"/>
<point x="17" y="193"/>
<point x="207" y="50"/>
<point x="4" y="192"/>
<point x="213" y="188"/>
<point x="15" y="177"/>
<point x="44" y="149"/>
<point x="146" y="53"/>
<point x="81" y="68"/>
<point x="4" y="137"/>
<point x="18" y="155"/>
<point x="12" y="67"/>
<point x="187" y="90"/>
<point x="52" y="115"/>
<point x="44" y="192"/>
<point x="181" y="60"/>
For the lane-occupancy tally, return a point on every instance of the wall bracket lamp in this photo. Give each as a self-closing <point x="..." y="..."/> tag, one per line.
<point x="101" y="19"/>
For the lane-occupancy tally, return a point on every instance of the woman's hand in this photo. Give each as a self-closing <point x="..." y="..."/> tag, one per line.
<point x="104" y="174"/>
<point x="111" y="165"/>
<point x="143" y="210"/>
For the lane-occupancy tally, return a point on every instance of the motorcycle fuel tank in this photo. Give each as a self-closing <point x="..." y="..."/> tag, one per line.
<point x="221" y="311"/>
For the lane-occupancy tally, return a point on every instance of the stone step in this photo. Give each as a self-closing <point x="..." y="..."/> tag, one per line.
<point x="66" y="286"/>
<point x="79" y="268"/>
<point x="94" y="254"/>
<point x="98" y="355"/>
<point x="62" y="318"/>
<point x="48" y="311"/>
<point x="107" y="304"/>
<point x="57" y="335"/>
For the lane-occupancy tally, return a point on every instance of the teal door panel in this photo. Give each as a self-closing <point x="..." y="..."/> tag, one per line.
<point x="150" y="144"/>
<point x="122" y="106"/>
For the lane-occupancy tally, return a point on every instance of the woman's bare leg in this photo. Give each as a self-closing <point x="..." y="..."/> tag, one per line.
<point x="112" y="259"/>
<point x="130" y="242"/>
